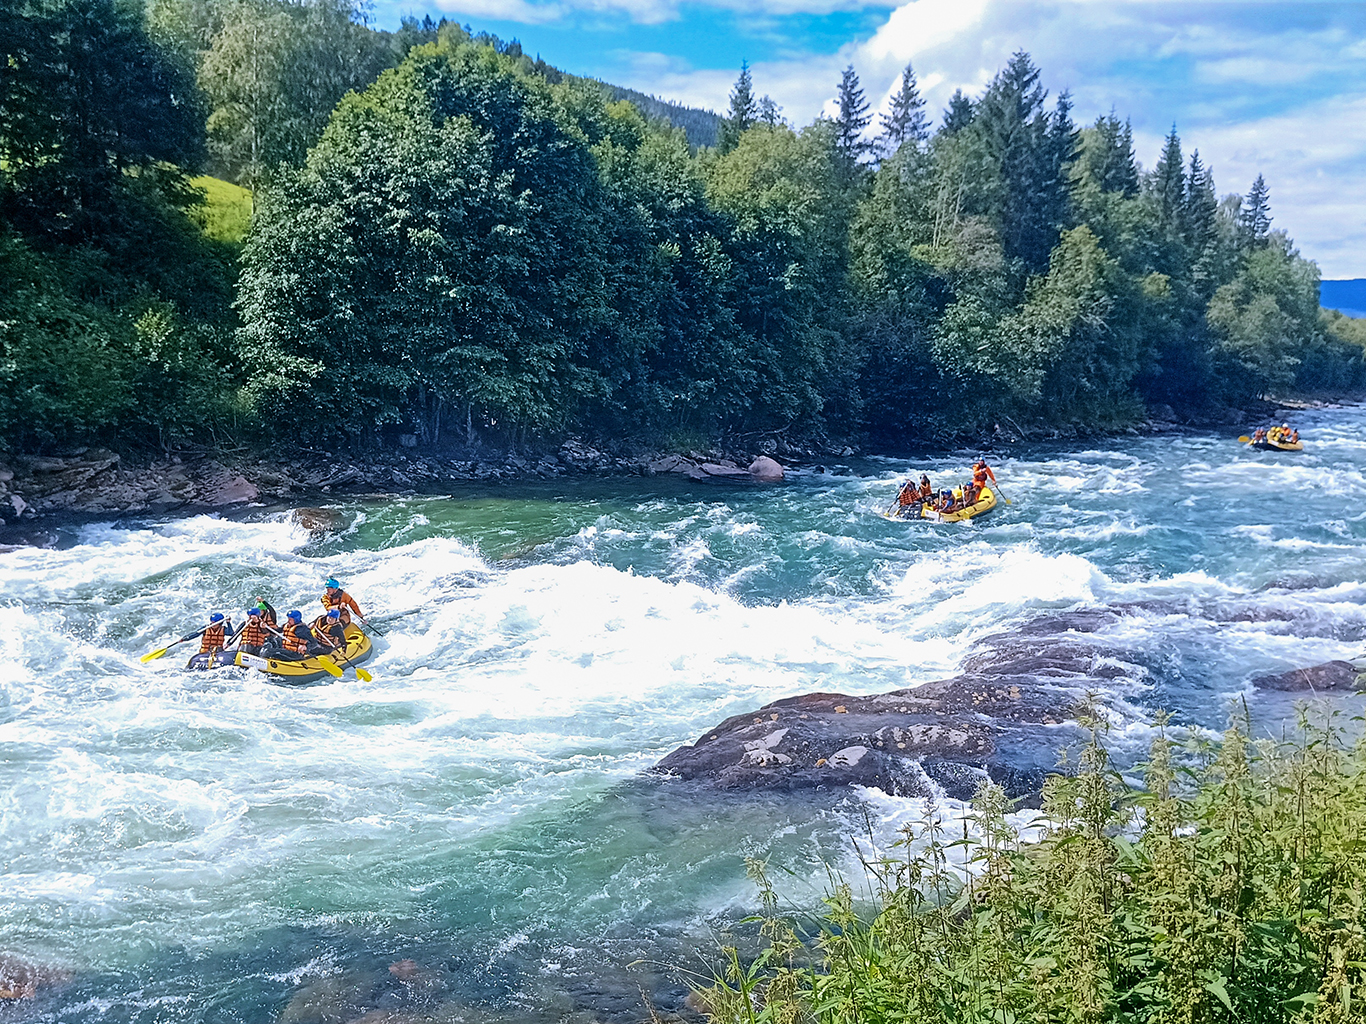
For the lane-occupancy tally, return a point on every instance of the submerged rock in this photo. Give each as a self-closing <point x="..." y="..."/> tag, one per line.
<point x="22" y="980"/>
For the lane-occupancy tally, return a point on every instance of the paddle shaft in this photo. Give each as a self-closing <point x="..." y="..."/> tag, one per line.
<point x="153" y="655"/>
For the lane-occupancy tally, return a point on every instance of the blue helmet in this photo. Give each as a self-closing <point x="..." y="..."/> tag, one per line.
<point x="296" y="615"/>
<point x="216" y="617"/>
<point x="253" y="613"/>
<point x="331" y="582"/>
<point x="334" y="614"/>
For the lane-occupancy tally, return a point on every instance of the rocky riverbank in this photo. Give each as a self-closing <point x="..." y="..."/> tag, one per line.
<point x="97" y="481"/>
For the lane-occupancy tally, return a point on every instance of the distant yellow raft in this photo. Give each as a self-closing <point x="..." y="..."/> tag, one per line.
<point x="986" y="501"/>
<point x="1269" y="445"/>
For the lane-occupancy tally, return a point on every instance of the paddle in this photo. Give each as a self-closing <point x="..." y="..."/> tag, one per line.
<point x="1244" y="439"/>
<point x="370" y="624"/>
<point x="154" y="655"/>
<point x="361" y="674"/>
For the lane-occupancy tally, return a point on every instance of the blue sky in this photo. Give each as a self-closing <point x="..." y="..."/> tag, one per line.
<point x="1275" y="88"/>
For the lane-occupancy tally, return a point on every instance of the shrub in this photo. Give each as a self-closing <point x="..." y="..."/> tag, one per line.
<point x="1230" y="888"/>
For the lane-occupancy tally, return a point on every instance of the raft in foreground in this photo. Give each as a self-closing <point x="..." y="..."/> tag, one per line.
<point x="357" y="650"/>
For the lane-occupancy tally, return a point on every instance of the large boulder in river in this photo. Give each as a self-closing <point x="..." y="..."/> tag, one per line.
<point x="916" y="742"/>
<point x="765" y="470"/>
<point x="319" y="521"/>
<point x="1331" y="675"/>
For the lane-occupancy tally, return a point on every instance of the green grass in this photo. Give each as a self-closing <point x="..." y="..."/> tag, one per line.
<point x="225" y="215"/>
<point x="1231" y="888"/>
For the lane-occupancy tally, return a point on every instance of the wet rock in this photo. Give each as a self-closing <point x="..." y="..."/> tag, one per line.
<point x="235" y="490"/>
<point x="723" y="469"/>
<point x="319" y="521"/>
<point x="765" y="470"/>
<point x="1331" y="675"/>
<point x="22" y="980"/>
<point x="830" y="740"/>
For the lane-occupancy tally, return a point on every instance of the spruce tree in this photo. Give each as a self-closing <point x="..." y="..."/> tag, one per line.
<point x="1109" y="158"/>
<point x="1255" y="219"/>
<point x="958" y="114"/>
<point x="744" y="112"/>
<point x="906" y="120"/>
<point x="1169" y="181"/>
<point x="1200" y="206"/>
<point x="852" y="119"/>
<point x="769" y="112"/>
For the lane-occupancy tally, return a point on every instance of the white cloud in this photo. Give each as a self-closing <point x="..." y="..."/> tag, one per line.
<point x="1252" y="88"/>
<point x="642" y="12"/>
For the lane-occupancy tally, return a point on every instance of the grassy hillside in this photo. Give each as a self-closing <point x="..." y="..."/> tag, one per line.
<point x="225" y="214"/>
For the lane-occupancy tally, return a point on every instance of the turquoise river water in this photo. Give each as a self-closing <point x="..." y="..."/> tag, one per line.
<point x="206" y="847"/>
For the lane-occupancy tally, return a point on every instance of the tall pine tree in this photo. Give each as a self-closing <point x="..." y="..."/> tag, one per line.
<point x="958" y="114"/>
<point x="744" y="112"/>
<point x="1255" y="219"/>
<point x="906" y="120"/>
<point x="1169" y="182"/>
<point x="852" y="119"/>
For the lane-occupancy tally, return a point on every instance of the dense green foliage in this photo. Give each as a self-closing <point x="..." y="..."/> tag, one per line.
<point x="1229" y="889"/>
<point x="445" y="231"/>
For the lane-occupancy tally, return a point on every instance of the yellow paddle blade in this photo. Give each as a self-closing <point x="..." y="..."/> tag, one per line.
<point x="364" y="676"/>
<point x="329" y="667"/>
<point x="153" y="655"/>
<point x="1243" y="439"/>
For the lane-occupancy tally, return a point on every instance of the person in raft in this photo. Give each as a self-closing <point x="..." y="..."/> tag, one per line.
<point x="296" y="640"/>
<point x="268" y="616"/>
<point x="254" y="634"/>
<point x="335" y="597"/>
<point x="329" y="630"/>
<point x="215" y="635"/>
<point x="907" y="496"/>
<point x="981" y="472"/>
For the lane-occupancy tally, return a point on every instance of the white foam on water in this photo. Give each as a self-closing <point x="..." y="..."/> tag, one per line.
<point x="147" y="806"/>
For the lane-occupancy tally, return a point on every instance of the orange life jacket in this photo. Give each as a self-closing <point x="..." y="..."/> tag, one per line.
<point x="926" y="491"/>
<point x="907" y="495"/>
<point x="322" y="629"/>
<point x="343" y="602"/>
<point x="294" y="643"/>
<point x="213" y="638"/>
<point x="253" y="636"/>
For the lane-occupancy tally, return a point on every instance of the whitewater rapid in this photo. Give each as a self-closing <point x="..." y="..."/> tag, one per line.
<point x="198" y="846"/>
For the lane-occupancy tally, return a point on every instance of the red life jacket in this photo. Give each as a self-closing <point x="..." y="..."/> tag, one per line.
<point x="213" y="638"/>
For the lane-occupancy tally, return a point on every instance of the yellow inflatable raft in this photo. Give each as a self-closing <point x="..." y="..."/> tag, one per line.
<point x="1269" y="445"/>
<point x="986" y="501"/>
<point x="357" y="650"/>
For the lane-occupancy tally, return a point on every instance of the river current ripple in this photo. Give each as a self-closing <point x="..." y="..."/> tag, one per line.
<point x="189" y="847"/>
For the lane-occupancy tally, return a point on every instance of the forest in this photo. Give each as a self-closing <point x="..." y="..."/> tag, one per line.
<point x="257" y="222"/>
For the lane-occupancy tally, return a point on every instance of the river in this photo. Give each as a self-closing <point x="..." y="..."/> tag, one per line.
<point x="206" y="847"/>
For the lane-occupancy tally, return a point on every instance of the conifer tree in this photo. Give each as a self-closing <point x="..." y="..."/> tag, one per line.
<point x="744" y="111"/>
<point x="769" y="112"/>
<point x="958" y="114"/>
<point x="906" y="120"/>
<point x="1169" y="181"/>
<point x="852" y="119"/>
<point x="1200" y="206"/>
<point x="1109" y="159"/>
<point x="1255" y="219"/>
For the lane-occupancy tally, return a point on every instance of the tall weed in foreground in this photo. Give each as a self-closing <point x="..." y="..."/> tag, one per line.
<point x="1228" y="889"/>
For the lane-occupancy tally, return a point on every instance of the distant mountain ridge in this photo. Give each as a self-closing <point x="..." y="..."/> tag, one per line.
<point x="701" y="126"/>
<point x="1347" y="297"/>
